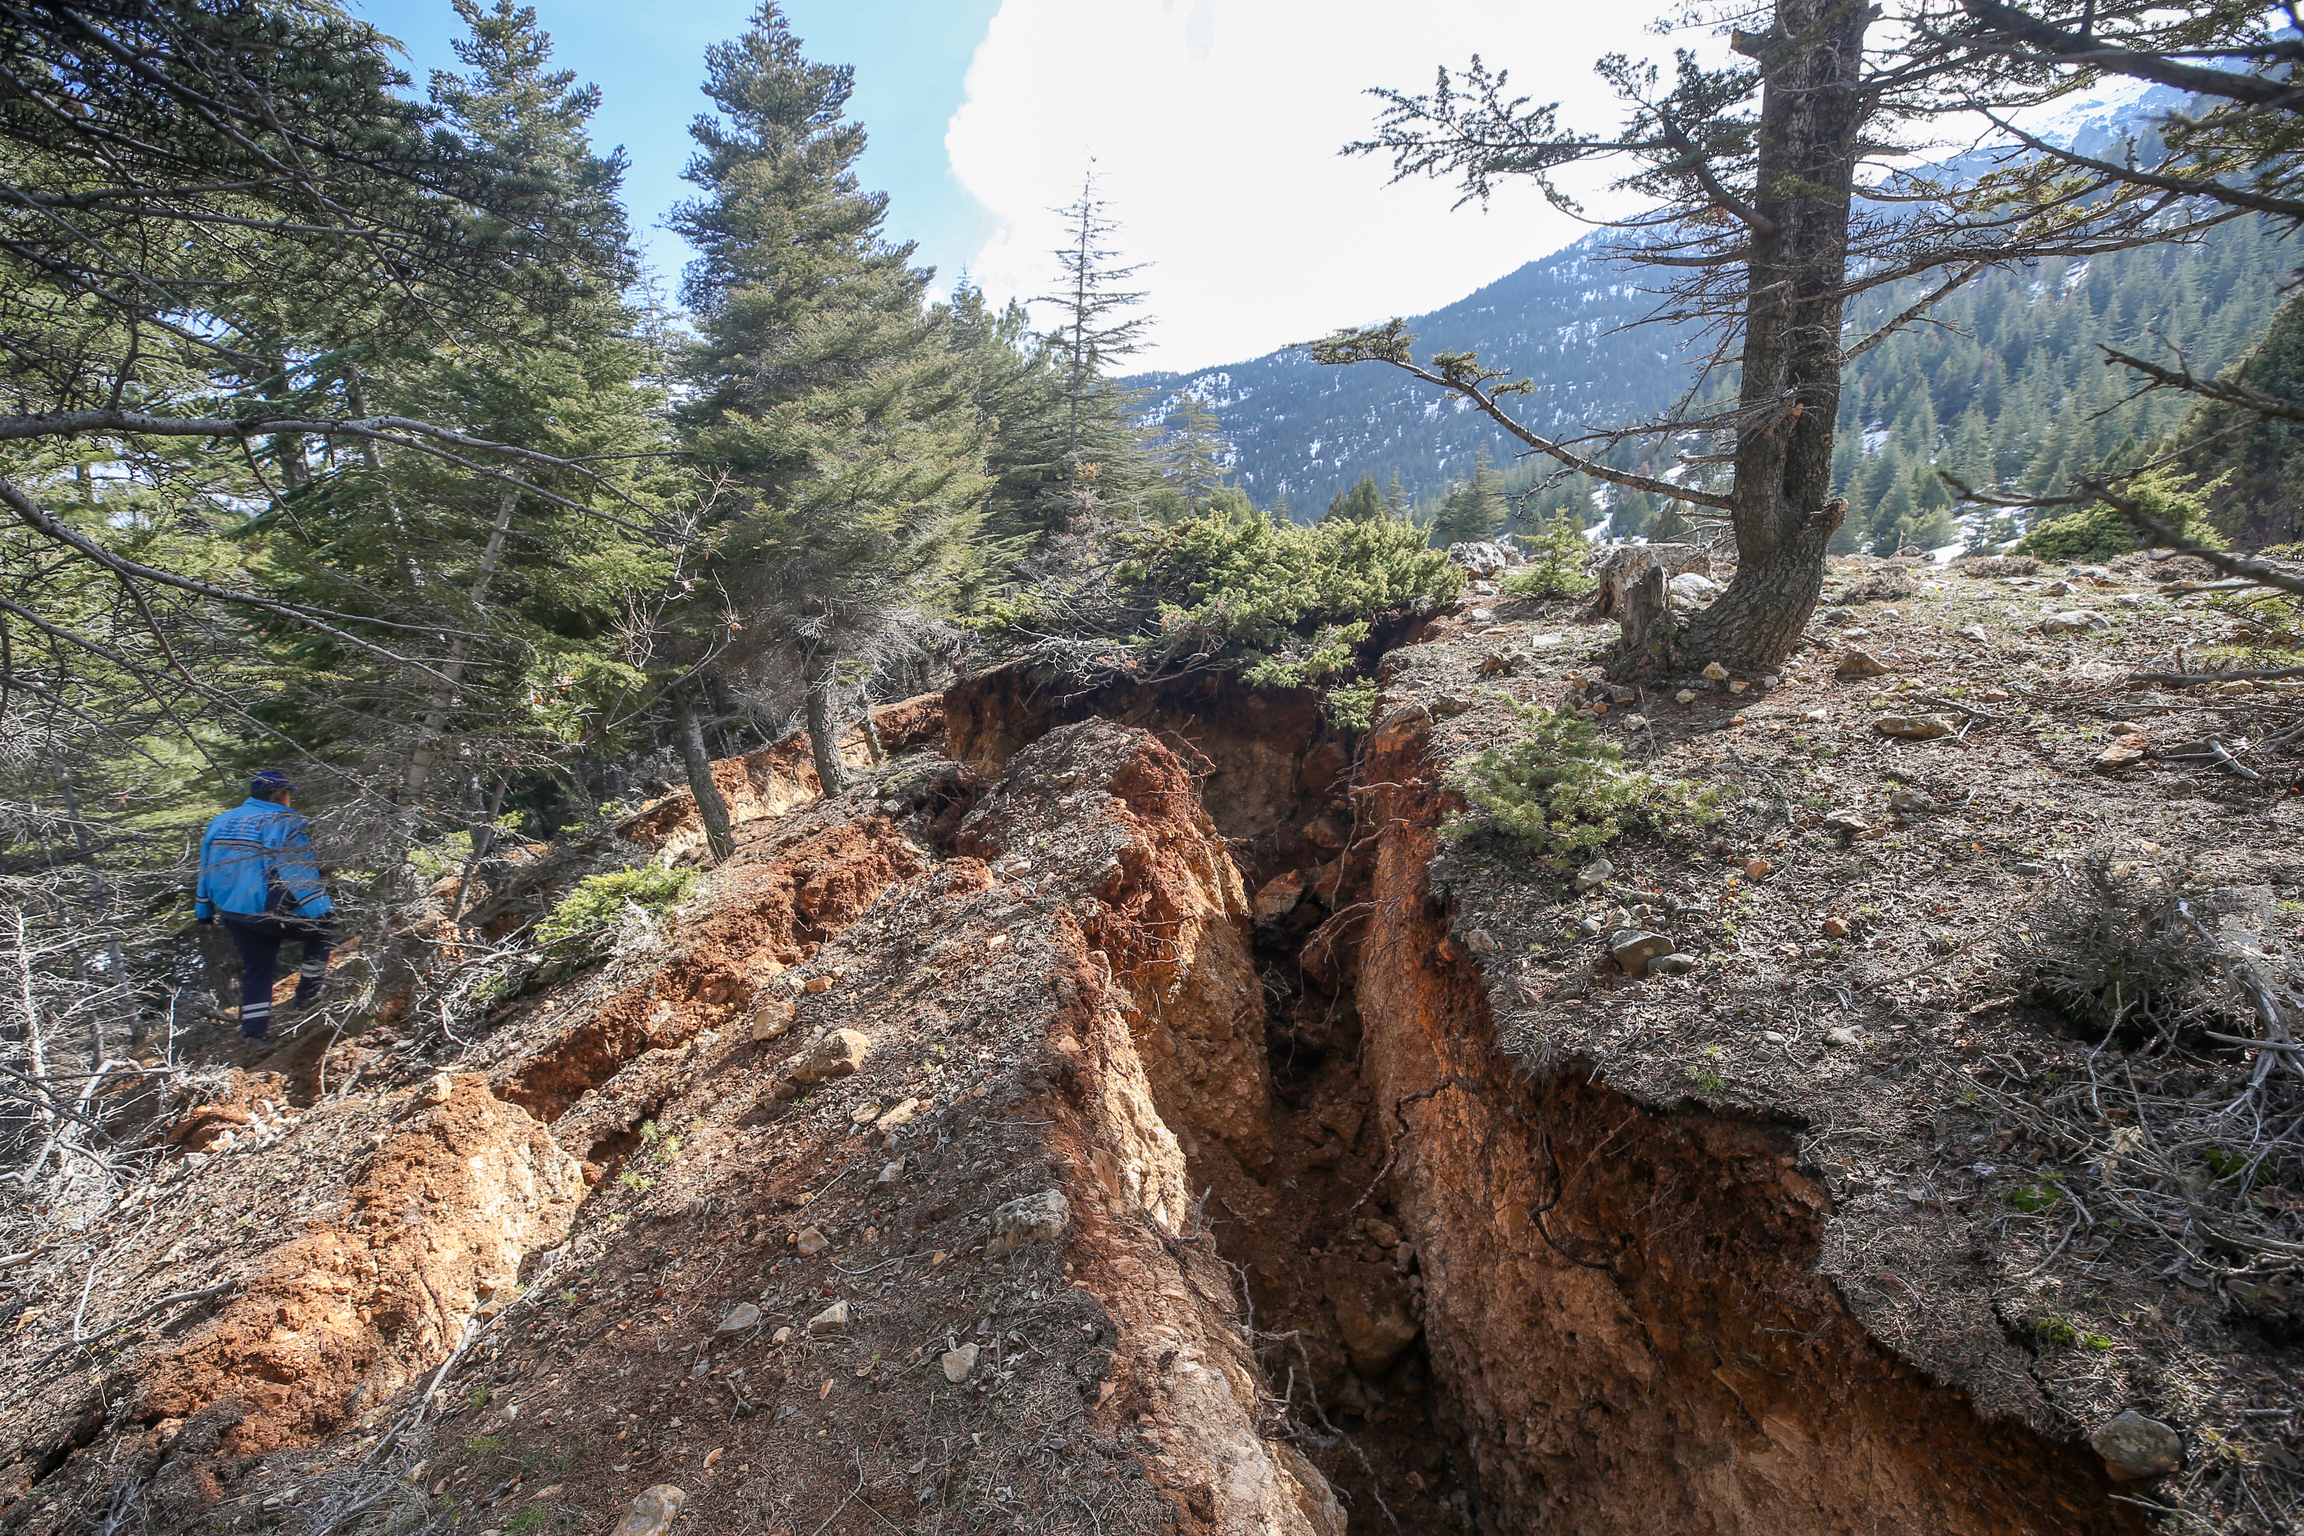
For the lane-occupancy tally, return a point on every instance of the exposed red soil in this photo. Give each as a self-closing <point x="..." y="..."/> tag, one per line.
<point x="1335" y="1234"/>
<point x="996" y="1003"/>
<point x="354" y="1243"/>
<point x="1258" y="753"/>
<point x="771" y="781"/>
<point x="440" y="1217"/>
<point x="766" y="918"/>
<point x="1612" y="1289"/>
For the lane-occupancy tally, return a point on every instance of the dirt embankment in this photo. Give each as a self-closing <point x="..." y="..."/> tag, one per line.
<point x="1623" y="1301"/>
<point x="314" y="1280"/>
<point x="767" y="783"/>
<point x="936" y="1171"/>
<point x="1101" y="1128"/>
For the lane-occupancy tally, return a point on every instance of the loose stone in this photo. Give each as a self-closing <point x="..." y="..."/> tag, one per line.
<point x="653" y="1512"/>
<point x="1594" y="875"/>
<point x="1634" y="948"/>
<point x="2136" y="1448"/>
<point x="1036" y="1218"/>
<point x="1858" y="663"/>
<point x="836" y="1055"/>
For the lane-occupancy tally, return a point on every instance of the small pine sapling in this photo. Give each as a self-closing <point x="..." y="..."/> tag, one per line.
<point x="1557" y="561"/>
<point x="599" y="902"/>
<point x="1562" y="792"/>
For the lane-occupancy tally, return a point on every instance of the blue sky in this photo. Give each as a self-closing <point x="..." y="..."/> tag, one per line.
<point x="1213" y="127"/>
<point x="911" y="60"/>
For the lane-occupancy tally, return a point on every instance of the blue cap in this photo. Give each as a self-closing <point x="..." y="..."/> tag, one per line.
<point x="269" y="781"/>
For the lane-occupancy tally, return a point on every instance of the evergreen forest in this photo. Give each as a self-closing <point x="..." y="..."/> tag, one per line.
<point x="1572" y="864"/>
<point x="393" y="472"/>
<point x="2006" y="387"/>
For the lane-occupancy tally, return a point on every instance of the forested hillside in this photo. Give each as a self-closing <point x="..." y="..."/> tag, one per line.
<point x="1305" y="433"/>
<point x="2006" y="386"/>
<point x="779" y="907"/>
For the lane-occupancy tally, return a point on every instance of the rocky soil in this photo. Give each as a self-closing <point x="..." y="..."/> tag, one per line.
<point x="1152" y="1110"/>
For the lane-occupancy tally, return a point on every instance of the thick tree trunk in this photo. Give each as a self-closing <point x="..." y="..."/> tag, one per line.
<point x="719" y="826"/>
<point x="824" y="730"/>
<point x="1811" y="110"/>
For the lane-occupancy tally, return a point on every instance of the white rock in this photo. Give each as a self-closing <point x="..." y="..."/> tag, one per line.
<point x="958" y="1363"/>
<point x="741" y="1316"/>
<point x="1483" y="558"/>
<point x="831" y="1320"/>
<point x="652" y="1512"/>
<point x="2074" y="621"/>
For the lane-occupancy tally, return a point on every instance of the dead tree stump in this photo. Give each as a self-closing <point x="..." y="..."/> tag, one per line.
<point x="1635" y="590"/>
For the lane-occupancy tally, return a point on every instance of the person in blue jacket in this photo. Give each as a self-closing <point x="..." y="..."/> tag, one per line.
<point x="258" y="873"/>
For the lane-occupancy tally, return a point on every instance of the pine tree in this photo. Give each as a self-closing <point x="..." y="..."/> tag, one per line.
<point x="1474" y="509"/>
<point x="525" y="582"/>
<point x="2262" y="502"/>
<point x="1020" y="400"/>
<point x="1103" y="453"/>
<point x="1396" y="498"/>
<point x="1363" y="503"/>
<point x="1194" y="453"/>
<point x="828" y="394"/>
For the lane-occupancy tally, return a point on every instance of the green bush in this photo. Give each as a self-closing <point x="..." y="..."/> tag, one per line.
<point x="1557" y="558"/>
<point x="1353" y="705"/>
<point x="2099" y="533"/>
<point x="1562" y="791"/>
<point x="1287" y="605"/>
<point x="1260" y="586"/>
<point x="2057" y="1333"/>
<point x="600" y="902"/>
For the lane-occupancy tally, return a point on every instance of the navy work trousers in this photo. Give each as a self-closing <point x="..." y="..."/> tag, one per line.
<point x="259" y="940"/>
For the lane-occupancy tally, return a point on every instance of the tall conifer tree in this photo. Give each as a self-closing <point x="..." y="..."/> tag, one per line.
<point x="526" y="585"/>
<point x="827" y="394"/>
<point x="1105" y="463"/>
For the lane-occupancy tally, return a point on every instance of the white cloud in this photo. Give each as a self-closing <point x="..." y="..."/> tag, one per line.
<point x="1214" y="125"/>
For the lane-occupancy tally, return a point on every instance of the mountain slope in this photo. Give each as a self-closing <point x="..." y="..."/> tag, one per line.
<point x="1305" y="432"/>
<point x="2004" y="385"/>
